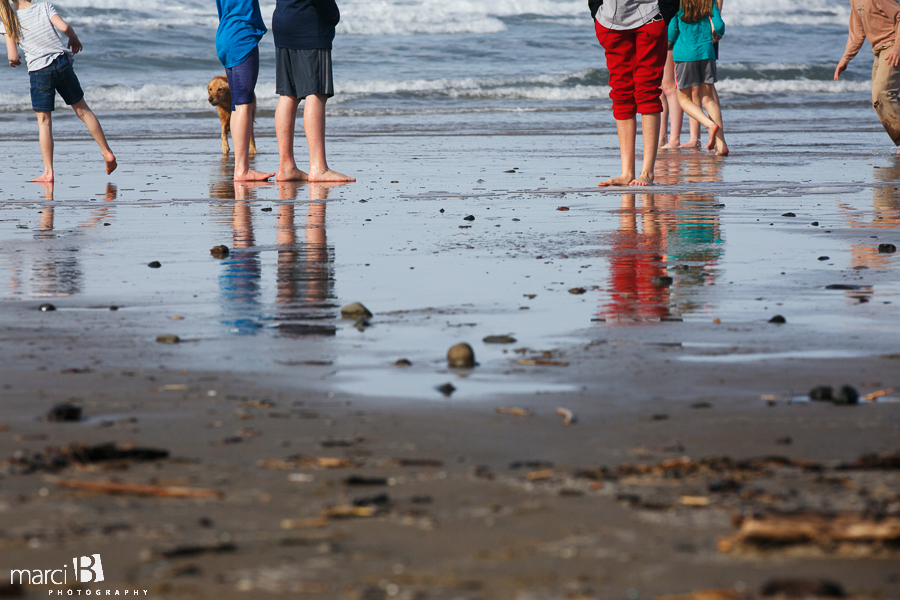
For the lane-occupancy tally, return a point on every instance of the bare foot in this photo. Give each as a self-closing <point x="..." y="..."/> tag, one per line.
<point x="291" y="174"/>
<point x="252" y="175"/>
<point x="722" y="150"/>
<point x="672" y="145"/>
<point x="691" y="143"/>
<point x="712" y="136"/>
<point x="644" y="179"/>
<point x="111" y="164"/>
<point x="47" y="177"/>
<point x="621" y="180"/>
<point x="328" y="175"/>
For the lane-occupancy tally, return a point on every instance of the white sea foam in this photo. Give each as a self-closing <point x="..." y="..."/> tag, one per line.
<point x="791" y="86"/>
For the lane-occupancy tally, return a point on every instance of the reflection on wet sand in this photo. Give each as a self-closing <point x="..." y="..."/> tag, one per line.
<point x="885" y="215"/>
<point x="666" y="229"/>
<point x="304" y="273"/>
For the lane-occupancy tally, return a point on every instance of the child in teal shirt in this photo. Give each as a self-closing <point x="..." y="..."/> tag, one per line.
<point x="691" y="35"/>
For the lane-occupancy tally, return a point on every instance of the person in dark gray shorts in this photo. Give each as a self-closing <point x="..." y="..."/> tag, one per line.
<point x="693" y="73"/>
<point x="304" y="31"/>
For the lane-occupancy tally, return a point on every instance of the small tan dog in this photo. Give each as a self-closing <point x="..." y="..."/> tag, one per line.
<point x="220" y="97"/>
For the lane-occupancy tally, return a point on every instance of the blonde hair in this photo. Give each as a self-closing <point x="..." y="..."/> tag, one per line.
<point x="10" y="21"/>
<point x="693" y="11"/>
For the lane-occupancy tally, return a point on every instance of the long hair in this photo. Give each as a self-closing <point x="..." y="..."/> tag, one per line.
<point x="693" y="11"/>
<point x="10" y="21"/>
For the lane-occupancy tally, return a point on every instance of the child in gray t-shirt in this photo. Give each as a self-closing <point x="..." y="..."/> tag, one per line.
<point x="33" y="28"/>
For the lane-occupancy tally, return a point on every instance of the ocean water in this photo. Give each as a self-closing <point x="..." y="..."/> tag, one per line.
<point x="449" y="66"/>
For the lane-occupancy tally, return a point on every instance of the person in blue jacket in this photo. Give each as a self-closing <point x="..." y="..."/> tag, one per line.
<point x="304" y="32"/>
<point x="237" y="45"/>
<point x="692" y="33"/>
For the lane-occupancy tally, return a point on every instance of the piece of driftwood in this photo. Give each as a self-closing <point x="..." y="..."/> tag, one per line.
<point x="810" y="529"/>
<point x="133" y="489"/>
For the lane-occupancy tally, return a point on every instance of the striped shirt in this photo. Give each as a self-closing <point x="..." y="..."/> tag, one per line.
<point x="40" y="41"/>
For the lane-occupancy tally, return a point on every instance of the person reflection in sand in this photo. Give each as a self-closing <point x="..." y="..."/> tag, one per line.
<point x="885" y="215"/>
<point x="640" y="288"/>
<point x="304" y="274"/>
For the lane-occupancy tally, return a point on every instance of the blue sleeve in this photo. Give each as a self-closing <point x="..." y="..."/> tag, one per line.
<point x="673" y="28"/>
<point x="718" y="23"/>
<point x="328" y="10"/>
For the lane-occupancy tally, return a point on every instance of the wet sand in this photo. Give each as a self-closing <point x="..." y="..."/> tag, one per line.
<point x="453" y="500"/>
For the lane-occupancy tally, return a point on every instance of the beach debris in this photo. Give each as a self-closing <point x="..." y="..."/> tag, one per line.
<point x="716" y="594"/>
<point x="177" y="318"/>
<point x="844" y="395"/>
<point x="54" y="459"/>
<point x="694" y="500"/>
<point x="403" y="362"/>
<point x="64" y="412"/>
<point x="662" y="281"/>
<point x="568" y="416"/>
<point x="299" y="461"/>
<point x="355" y="310"/>
<point x="133" y="489"/>
<point x="541" y="475"/>
<point x="309" y="522"/>
<point x="514" y="411"/>
<point x="196" y="550"/>
<point x="824" y="258"/>
<point x="446" y="389"/>
<point x="359" y="480"/>
<point x="874" y="396"/>
<point x="154" y="265"/>
<point x="788" y="214"/>
<point x="375" y="500"/>
<point x="469" y="218"/>
<point x="499" y="339"/>
<point x="168" y="338"/>
<point x="266" y="209"/>
<point x="327" y="514"/>
<point x="419" y="462"/>
<point x="461" y="356"/>
<point x="562" y="208"/>
<point x="828" y="533"/>
<point x="577" y="291"/>
<point x="540" y="362"/>
<point x="220" y="251"/>
<point x="46" y="307"/>
<point x="886" y="248"/>
<point x="510" y="171"/>
<point x="778" y="319"/>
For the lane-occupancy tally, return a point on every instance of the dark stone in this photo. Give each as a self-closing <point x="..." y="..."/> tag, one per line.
<point x="724" y="485"/>
<point x="266" y="209"/>
<point x="886" y="248"/>
<point x="577" y="291"/>
<point x="168" y="338"/>
<point x="360" y="480"/>
<point x="113" y="308"/>
<point x="778" y="319"/>
<point x="446" y="389"/>
<point x="376" y="500"/>
<point x="662" y="281"/>
<point x="46" y="308"/>
<point x="64" y="412"/>
<point x="530" y="464"/>
<point x="822" y="393"/>
<point x="403" y="362"/>
<point x="469" y="218"/>
<point x="219" y="251"/>
<point x="843" y="286"/>
<point x="824" y="258"/>
<point x="355" y="310"/>
<point x="205" y="522"/>
<point x="788" y="214"/>
<point x="499" y="339"/>
<point x="154" y="265"/>
<point x="815" y="223"/>
<point x="802" y="588"/>
<point x="846" y="395"/>
<point x="461" y="356"/>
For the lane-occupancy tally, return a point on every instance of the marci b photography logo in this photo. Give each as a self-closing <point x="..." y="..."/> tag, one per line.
<point x="87" y="569"/>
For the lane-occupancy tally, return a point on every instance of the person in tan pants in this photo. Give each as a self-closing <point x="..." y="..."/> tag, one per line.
<point x="879" y="22"/>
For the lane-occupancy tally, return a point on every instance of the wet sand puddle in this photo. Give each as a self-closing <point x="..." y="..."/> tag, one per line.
<point x="545" y="267"/>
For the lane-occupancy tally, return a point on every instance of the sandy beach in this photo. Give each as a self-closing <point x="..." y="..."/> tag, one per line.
<point x="277" y="450"/>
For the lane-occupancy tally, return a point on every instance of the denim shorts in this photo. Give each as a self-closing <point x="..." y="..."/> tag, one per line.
<point x="58" y="76"/>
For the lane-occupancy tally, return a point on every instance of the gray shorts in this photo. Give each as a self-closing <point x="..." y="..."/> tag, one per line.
<point x="302" y="73"/>
<point x="694" y="72"/>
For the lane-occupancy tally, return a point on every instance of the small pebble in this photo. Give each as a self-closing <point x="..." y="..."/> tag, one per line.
<point x="219" y="251"/>
<point x="266" y="209"/>
<point x="461" y="356"/>
<point x="403" y="362"/>
<point x="64" y="412"/>
<point x="469" y="218"/>
<point x="577" y="290"/>
<point x="168" y="338"/>
<point x="499" y="339"/>
<point x="778" y="319"/>
<point x="788" y="214"/>
<point x="824" y="258"/>
<point x="821" y="393"/>
<point x="46" y="307"/>
<point x="355" y="310"/>
<point x="154" y="265"/>
<point x="886" y="248"/>
<point x="562" y="208"/>
<point x="846" y="395"/>
<point x="815" y="223"/>
<point x="446" y="389"/>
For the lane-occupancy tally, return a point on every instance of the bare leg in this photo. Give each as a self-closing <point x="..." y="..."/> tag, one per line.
<point x="627" y="130"/>
<point x="314" y="126"/>
<point x="285" y="125"/>
<point x="711" y="103"/>
<point x="694" y="142"/>
<point x="664" y="122"/>
<point x="45" y="134"/>
<point x="241" y="132"/>
<point x="650" y="126"/>
<point x="87" y="115"/>
<point x="676" y="115"/>
<point x="695" y="112"/>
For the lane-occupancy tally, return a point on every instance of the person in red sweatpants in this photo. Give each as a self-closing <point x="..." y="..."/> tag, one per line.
<point x="633" y="34"/>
